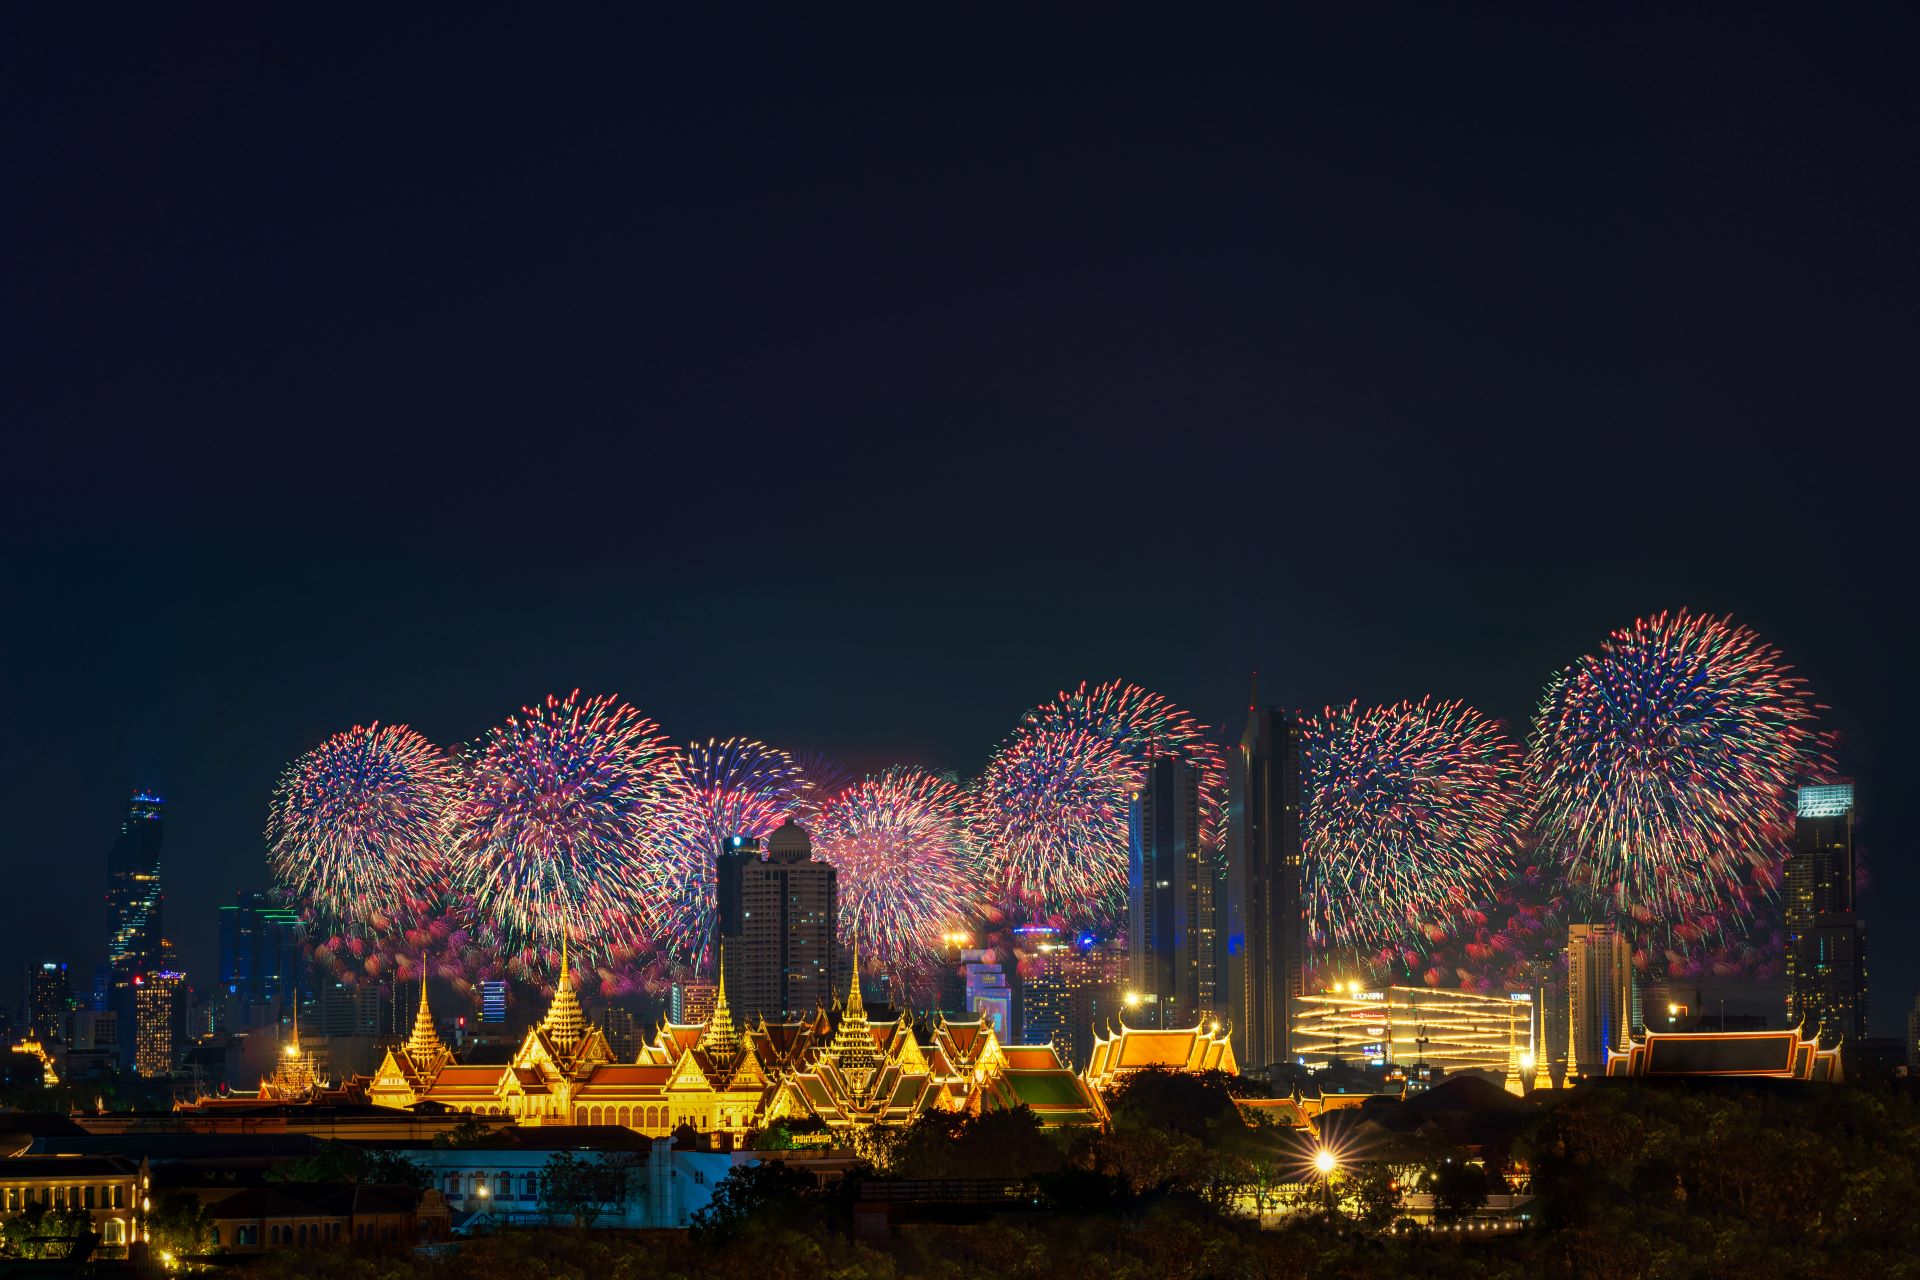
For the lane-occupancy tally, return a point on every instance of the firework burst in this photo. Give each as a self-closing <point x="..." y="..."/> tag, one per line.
<point x="714" y="790"/>
<point x="548" y="832"/>
<point x="1663" y="768"/>
<point x="1410" y="820"/>
<point x="907" y="873"/>
<point x="355" y="832"/>
<point x="1051" y="809"/>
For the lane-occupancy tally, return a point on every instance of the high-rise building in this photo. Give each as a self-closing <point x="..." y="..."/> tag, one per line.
<point x="1599" y="995"/>
<point x="1175" y="885"/>
<point x="259" y="960"/>
<point x="1071" y="990"/>
<point x="93" y="1029"/>
<point x="1265" y="920"/>
<point x="1913" y="1038"/>
<point x="133" y="889"/>
<point x="1826" y="939"/>
<point x="160" y="1018"/>
<point x="782" y="959"/>
<point x="49" y="998"/>
<point x="337" y="1009"/>
<point x="622" y="1033"/>
<point x="691" y="1001"/>
<point x="493" y="1002"/>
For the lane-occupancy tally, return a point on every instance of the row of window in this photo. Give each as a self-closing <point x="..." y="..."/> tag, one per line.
<point x="112" y="1196"/>
<point x="302" y="1233"/>
<point x="647" y="1117"/>
<point x="500" y="1187"/>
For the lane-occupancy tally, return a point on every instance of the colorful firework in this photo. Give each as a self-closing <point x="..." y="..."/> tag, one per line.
<point x="907" y="873"/>
<point x="548" y="833"/>
<point x="1051" y="809"/>
<point x="355" y="833"/>
<point x="712" y="791"/>
<point x="1663" y="769"/>
<point x="1410" y="820"/>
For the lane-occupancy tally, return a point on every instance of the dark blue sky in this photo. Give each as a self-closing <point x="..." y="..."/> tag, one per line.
<point x="857" y="383"/>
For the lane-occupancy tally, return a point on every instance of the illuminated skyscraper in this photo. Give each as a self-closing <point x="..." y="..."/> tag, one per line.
<point x="1826" y="939"/>
<point x="1175" y="888"/>
<point x="784" y="953"/>
<point x="1265" y="921"/>
<point x="134" y="899"/>
<point x="1599" y="994"/>
<point x="259" y="960"/>
<point x="49" y="997"/>
<point x="160" y="1019"/>
<point x="493" y="1002"/>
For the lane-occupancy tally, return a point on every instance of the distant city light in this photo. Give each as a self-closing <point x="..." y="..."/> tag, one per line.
<point x="1829" y="801"/>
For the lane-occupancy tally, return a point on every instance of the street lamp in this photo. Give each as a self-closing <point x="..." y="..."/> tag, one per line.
<point x="1325" y="1162"/>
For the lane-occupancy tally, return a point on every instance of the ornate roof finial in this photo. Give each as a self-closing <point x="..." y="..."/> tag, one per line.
<point x="854" y="1003"/>
<point x="424" y="1043"/>
<point x="565" y="1022"/>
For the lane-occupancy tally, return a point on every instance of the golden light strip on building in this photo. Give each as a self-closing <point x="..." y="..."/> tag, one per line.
<point x="1453" y="1030"/>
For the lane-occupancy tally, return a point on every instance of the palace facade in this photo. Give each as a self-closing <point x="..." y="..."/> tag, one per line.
<point x="838" y="1067"/>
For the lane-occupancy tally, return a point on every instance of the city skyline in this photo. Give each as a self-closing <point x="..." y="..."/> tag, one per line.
<point x="861" y="409"/>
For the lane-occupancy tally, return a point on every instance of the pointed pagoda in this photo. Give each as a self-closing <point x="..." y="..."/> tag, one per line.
<point x="566" y="1022"/>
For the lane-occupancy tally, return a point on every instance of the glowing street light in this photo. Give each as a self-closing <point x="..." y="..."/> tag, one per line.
<point x="1325" y="1161"/>
<point x="1132" y="999"/>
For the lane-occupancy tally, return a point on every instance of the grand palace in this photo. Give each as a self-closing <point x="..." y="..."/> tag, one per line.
<point x="839" y="1068"/>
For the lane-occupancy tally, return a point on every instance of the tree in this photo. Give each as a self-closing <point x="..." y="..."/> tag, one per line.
<point x="583" y="1189"/>
<point x="948" y="1144"/>
<point x="41" y="1231"/>
<point x="1459" y="1189"/>
<point x="357" y="1166"/>
<point x="766" y="1195"/>
<point x="470" y="1132"/>
<point x="181" y="1225"/>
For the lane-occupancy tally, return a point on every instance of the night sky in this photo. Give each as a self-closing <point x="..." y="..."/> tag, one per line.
<point x="855" y="383"/>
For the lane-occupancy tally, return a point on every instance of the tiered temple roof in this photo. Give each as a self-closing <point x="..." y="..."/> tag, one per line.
<point x="1200" y="1048"/>
<point x="1779" y="1055"/>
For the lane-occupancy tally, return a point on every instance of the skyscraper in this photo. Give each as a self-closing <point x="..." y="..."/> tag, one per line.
<point x="259" y="960"/>
<point x="133" y="899"/>
<point x="160" y="1022"/>
<point x="782" y="959"/>
<point x="1826" y="939"/>
<point x="1175" y="885"/>
<point x="1265" y="921"/>
<point x="49" y="997"/>
<point x="731" y="861"/>
<point x="1599" y="995"/>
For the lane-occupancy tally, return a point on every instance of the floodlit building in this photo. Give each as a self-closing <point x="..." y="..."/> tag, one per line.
<point x="1600" y="999"/>
<point x="730" y="1078"/>
<point x="160" y="1018"/>
<point x="1778" y="1055"/>
<point x="1440" y="1027"/>
<point x="1118" y="1054"/>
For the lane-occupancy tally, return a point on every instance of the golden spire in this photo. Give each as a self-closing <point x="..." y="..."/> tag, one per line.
<point x="565" y="1023"/>
<point x="854" y="1004"/>
<point x="424" y="1044"/>
<point x="721" y="1038"/>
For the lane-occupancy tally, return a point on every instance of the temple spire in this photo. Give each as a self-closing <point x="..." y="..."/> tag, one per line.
<point x="566" y="1022"/>
<point x="721" y="1038"/>
<point x="854" y="1004"/>
<point x="424" y="1043"/>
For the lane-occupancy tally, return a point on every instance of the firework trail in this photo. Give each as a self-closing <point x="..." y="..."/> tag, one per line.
<point x="712" y="791"/>
<point x="1663" y="768"/>
<point x="1410" y="815"/>
<point x="355" y="832"/>
<point x="548" y="833"/>
<point x="907" y="871"/>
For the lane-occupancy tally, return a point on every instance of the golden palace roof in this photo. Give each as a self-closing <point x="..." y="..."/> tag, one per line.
<point x="1199" y="1048"/>
<point x="1779" y="1055"/>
